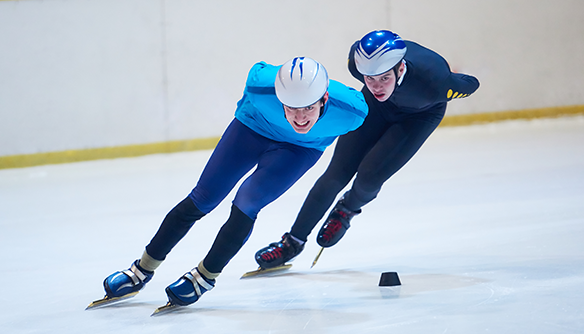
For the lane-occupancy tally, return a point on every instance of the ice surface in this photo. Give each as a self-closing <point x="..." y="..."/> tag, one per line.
<point x="485" y="227"/>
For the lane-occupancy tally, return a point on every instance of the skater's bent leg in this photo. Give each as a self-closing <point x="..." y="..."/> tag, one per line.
<point x="236" y="154"/>
<point x="349" y="151"/>
<point x="278" y="170"/>
<point x="319" y="199"/>
<point x="393" y="150"/>
<point x="174" y="227"/>
<point x="231" y="237"/>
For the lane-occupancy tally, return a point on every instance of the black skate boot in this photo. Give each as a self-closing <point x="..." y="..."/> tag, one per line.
<point x="278" y="253"/>
<point x="335" y="226"/>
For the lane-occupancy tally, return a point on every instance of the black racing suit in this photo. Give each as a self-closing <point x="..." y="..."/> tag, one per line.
<point x="392" y="133"/>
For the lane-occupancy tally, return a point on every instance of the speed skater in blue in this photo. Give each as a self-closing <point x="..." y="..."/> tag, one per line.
<point x="407" y="87"/>
<point x="286" y="118"/>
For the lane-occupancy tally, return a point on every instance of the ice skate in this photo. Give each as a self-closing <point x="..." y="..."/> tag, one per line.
<point x="185" y="291"/>
<point x="273" y="258"/>
<point x="122" y="285"/>
<point x="278" y="253"/>
<point x="266" y="272"/>
<point x="335" y="226"/>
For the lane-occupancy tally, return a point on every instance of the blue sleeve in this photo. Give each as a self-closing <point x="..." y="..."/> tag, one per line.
<point x="262" y="76"/>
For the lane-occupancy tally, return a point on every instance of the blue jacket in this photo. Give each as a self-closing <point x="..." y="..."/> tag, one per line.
<point x="260" y="110"/>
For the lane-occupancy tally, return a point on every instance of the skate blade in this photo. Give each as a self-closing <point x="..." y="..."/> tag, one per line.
<point x="109" y="300"/>
<point x="317" y="257"/>
<point x="168" y="308"/>
<point x="261" y="272"/>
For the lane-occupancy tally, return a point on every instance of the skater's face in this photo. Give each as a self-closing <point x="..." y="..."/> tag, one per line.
<point x="383" y="85"/>
<point x="303" y="119"/>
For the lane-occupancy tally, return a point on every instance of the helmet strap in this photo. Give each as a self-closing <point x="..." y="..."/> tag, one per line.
<point x="396" y="72"/>
<point x="323" y="101"/>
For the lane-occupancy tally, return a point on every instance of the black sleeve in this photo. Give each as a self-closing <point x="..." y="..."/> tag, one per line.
<point x="351" y="63"/>
<point x="460" y="85"/>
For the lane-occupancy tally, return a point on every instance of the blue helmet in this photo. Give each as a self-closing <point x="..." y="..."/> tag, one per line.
<point x="378" y="52"/>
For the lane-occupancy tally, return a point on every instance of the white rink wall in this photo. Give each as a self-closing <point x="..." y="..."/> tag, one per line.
<point x="79" y="74"/>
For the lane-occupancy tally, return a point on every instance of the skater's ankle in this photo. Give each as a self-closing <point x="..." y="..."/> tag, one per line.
<point x="148" y="263"/>
<point x="206" y="273"/>
<point x="346" y="206"/>
<point x="301" y="242"/>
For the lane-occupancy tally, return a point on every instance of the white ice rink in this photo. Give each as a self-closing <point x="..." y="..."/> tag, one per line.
<point x="485" y="227"/>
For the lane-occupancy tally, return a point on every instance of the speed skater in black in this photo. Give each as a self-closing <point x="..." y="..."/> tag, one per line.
<point x="407" y="88"/>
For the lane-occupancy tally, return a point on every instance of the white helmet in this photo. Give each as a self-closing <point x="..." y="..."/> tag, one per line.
<point x="300" y="82"/>
<point x="378" y="52"/>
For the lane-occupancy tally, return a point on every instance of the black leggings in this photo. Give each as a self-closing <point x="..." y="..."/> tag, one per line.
<point x="375" y="151"/>
<point x="231" y="237"/>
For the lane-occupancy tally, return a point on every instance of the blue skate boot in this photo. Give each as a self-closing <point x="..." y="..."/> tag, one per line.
<point x="189" y="288"/>
<point x="125" y="282"/>
<point x="123" y="285"/>
<point x="335" y="226"/>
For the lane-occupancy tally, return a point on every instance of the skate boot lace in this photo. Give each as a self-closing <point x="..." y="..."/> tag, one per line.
<point x="272" y="254"/>
<point x="332" y="227"/>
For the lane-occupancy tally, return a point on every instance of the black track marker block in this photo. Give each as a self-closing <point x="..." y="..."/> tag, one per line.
<point x="389" y="279"/>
